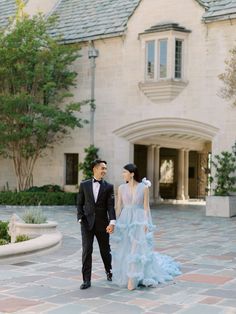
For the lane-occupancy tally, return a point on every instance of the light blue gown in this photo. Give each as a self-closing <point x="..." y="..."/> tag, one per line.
<point x="132" y="248"/>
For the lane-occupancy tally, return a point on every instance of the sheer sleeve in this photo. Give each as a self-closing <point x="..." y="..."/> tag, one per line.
<point x="118" y="203"/>
<point x="146" y="206"/>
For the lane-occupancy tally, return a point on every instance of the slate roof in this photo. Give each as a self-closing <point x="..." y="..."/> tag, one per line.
<point x="205" y="3"/>
<point x="82" y="20"/>
<point x="219" y="9"/>
<point x="88" y="19"/>
<point x="162" y="27"/>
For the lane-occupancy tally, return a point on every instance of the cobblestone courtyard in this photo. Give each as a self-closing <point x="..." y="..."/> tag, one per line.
<point x="205" y="246"/>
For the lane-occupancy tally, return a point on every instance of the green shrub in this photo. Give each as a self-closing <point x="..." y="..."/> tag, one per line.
<point x="22" y="237"/>
<point x="224" y="177"/>
<point x="35" y="198"/>
<point x="45" y="188"/>
<point x="3" y="242"/>
<point x="91" y="154"/>
<point x="4" y="230"/>
<point x="34" y="216"/>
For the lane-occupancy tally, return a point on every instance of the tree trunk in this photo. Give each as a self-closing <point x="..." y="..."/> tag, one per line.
<point x="24" y="171"/>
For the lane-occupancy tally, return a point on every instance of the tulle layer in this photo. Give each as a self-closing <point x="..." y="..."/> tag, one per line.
<point x="133" y="255"/>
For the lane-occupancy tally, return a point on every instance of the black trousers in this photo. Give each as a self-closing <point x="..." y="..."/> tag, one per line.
<point x="87" y="250"/>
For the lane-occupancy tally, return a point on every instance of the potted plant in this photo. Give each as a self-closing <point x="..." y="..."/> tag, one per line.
<point x="223" y="201"/>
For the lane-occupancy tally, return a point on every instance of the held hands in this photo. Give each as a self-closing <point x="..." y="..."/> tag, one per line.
<point x="110" y="229"/>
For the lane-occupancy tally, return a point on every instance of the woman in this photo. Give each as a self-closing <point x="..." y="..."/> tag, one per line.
<point x="134" y="261"/>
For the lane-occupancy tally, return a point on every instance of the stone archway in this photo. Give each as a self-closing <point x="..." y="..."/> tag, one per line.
<point x="184" y="135"/>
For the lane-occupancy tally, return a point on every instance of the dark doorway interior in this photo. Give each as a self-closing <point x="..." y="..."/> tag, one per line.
<point x="193" y="176"/>
<point x="168" y="173"/>
<point x="140" y="159"/>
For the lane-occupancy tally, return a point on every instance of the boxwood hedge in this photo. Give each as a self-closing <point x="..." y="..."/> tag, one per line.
<point x="37" y="198"/>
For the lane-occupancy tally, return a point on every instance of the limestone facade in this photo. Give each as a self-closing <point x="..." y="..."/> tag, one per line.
<point x="174" y="122"/>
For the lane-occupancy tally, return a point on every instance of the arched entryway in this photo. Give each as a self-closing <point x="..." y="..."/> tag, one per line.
<point x="169" y="163"/>
<point x="173" y="154"/>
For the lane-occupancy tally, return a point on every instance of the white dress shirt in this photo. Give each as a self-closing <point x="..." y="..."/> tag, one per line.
<point x="96" y="188"/>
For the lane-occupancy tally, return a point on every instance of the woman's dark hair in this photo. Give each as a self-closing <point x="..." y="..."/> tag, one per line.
<point x="132" y="168"/>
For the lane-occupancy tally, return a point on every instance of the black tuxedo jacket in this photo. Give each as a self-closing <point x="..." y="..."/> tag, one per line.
<point x="97" y="213"/>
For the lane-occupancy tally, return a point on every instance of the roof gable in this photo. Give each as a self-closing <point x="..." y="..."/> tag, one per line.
<point x="89" y="19"/>
<point x="83" y="20"/>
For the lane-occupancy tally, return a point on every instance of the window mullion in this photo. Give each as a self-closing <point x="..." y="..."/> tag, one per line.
<point x="156" y="61"/>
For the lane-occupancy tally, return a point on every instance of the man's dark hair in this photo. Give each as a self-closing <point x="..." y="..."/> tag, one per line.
<point x="97" y="162"/>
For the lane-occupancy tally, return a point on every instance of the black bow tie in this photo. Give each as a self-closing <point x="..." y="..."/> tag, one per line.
<point x="95" y="180"/>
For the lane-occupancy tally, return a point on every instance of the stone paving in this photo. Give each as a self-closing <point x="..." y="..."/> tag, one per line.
<point x="205" y="246"/>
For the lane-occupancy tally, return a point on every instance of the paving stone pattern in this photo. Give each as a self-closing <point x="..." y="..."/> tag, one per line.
<point x="205" y="247"/>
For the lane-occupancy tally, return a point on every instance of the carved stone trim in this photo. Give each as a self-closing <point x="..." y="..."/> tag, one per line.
<point x="162" y="91"/>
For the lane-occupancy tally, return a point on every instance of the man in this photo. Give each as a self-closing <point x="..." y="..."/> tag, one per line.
<point x="96" y="214"/>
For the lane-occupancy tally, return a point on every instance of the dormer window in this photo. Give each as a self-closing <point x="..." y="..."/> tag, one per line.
<point x="162" y="62"/>
<point x="150" y="59"/>
<point x="156" y="59"/>
<point x="165" y="55"/>
<point x="178" y="58"/>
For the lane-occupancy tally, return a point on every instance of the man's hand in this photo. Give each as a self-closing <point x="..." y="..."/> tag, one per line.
<point x="110" y="229"/>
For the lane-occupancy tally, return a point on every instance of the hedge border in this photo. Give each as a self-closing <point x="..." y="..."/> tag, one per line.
<point x="37" y="198"/>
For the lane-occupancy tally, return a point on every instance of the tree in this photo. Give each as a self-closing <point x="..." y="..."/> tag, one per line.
<point x="35" y="76"/>
<point x="91" y="154"/>
<point x="224" y="178"/>
<point x="229" y="78"/>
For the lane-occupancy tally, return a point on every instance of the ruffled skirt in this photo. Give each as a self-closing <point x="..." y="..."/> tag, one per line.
<point x="133" y="256"/>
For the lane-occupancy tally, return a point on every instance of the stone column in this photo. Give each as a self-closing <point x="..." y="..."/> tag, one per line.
<point x="186" y="176"/>
<point x="157" y="174"/>
<point x="180" y="184"/>
<point x="202" y="175"/>
<point x="117" y="162"/>
<point x="150" y="170"/>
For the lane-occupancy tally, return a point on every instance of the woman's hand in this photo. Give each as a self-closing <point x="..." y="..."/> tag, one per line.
<point x="110" y="229"/>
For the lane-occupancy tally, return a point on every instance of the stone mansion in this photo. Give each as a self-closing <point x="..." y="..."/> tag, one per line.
<point x="152" y="67"/>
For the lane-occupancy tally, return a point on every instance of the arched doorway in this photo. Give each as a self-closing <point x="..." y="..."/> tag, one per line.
<point x="173" y="154"/>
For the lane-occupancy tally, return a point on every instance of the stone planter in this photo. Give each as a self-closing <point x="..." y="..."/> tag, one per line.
<point x="221" y="206"/>
<point x="16" y="252"/>
<point x="34" y="230"/>
<point x="44" y="238"/>
<point x="18" y="227"/>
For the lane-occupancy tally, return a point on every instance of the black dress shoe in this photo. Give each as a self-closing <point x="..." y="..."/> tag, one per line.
<point x="85" y="285"/>
<point x="109" y="276"/>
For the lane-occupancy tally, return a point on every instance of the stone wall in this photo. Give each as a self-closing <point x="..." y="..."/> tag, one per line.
<point x="120" y="101"/>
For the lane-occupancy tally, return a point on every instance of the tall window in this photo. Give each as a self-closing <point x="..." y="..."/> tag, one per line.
<point x="159" y="54"/>
<point x="156" y="59"/>
<point x="150" y="59"/>
<point x="178" y="58"/>
<point x="72" y="163"/>
<point x="163" y="58"/>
